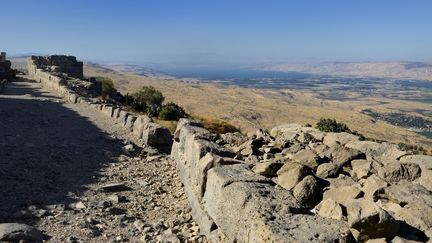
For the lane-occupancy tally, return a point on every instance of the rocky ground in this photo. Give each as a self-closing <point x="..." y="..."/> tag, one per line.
<point x="75" y="176"/>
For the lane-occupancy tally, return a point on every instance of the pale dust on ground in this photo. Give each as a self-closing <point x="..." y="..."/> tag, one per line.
<point x="55" y="158"/>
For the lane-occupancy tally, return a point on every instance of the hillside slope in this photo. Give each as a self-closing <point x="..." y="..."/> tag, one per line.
<point x="253" y="108"/>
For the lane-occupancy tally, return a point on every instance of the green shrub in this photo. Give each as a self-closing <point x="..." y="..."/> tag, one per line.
<point x="172" y="112"/>
<point x="108" y="89"/>
<point x="331" y="125"/>
<point x="148" y="100"/>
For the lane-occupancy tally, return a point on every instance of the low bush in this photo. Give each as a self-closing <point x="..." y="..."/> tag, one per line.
<point x="148" y="100"/>
<point x="108" y="89"/>
<point x="172" y="112"/>
<point x="331" y="125"/>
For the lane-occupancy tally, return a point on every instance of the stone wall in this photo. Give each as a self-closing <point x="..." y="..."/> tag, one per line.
<point x="6" y="72"/>
<point x="299" y="184"/>
<point x="61" y="64"/>
<point x="141" y="126"/>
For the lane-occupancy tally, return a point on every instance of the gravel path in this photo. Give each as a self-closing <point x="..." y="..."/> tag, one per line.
<point x="56" y="158"/>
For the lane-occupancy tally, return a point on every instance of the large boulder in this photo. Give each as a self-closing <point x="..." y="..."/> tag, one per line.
<point x="343" y="195"/>
<point x="372" y="185"/>
<point x="425" y="163"/>
<point x="405" y="192"/>
<point x="328" y="170"/>
<point x="361" y="168"/>
<point x="368" y="221"/>
<point x="332" y="139"/>
<point x="139" y="124"/>
<point x="157" y="136"/>
<point x="329" y="208"/>
<point x="308" y="191"/>
<point x="291" y="173"/>
<point x="307" y="157"/>
<point x="14" y="232"/>
<point x="394" y="171"/>
<point x="377" y="151"/>
<point x="341" y="155"/>
<point x="243" y="214"/>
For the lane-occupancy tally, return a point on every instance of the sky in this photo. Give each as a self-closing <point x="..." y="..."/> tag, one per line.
<point x="219" y="32"/>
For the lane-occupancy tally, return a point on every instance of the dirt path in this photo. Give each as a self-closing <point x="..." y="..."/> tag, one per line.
<point x="55" y="158"/>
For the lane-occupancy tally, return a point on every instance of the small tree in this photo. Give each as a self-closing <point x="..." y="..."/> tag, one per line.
<point x="148" y="100"/>
<point x="172" y="112"/>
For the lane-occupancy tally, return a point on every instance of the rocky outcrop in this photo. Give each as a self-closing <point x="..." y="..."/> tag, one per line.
<point x="54" y="72"/>
<point x="298" y="184"/>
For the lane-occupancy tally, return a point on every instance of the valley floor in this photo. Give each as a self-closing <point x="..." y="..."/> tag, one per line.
<point x="59" y="161"/>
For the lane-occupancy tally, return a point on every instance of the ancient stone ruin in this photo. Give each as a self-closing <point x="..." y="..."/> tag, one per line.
<point x="6" y="72"/>
<point x="298" y="184"/>
<point x="293" y="184"/>
<point x="60" y="64"/>
<point x="55" y="72"/>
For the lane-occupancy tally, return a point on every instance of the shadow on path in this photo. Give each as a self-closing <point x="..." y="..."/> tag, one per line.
<point x="48" y="153"/>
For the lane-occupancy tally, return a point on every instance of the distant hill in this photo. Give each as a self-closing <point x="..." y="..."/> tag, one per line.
<point x="134" y="69"/>
<point x="398" y="70"/>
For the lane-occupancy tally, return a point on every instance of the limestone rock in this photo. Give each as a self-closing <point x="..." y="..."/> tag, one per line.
<point x="361" y="168"/>
<point x="291" y="173"/>
<point x="341" y="155"/>
<point x="329" y="208"/>
<point x="425" y="163"/>
<point x="405" y="192"/>
<point x="369" y="221"/>
<point x="377" y="151"/>
<point x="155" y="135"/>
<point x="332" y="139"/>
<point x="372" y="185"/>
<point x="308" y="191"/>
<point x="307" y="157"/>
<point x="139" y="124"/>
<point x="395" y="171"/>
<point x="16" y="232"/>
<point x="343" y="195"/>
<point x="341" y="181"/>
<point x="327" y="170"/>
<point x="268" y="169"/>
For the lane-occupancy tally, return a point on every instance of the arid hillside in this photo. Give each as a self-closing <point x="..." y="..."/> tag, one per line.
<point x="253" y="108"/>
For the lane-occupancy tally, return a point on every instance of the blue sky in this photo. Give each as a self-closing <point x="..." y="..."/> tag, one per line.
<point x="212" y="32"/>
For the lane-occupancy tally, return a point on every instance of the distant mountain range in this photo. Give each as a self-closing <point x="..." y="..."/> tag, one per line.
<point x="397" y="70"/>
<point x="135" y="69"/>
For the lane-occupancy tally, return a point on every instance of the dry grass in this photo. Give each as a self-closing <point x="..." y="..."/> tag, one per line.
<point x="171" y="125"/>
<point x="217" y="125"/>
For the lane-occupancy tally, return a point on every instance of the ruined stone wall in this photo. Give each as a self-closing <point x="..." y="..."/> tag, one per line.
<point x="6" y="72"/>
<point x="299" y="184"/>
<point x="141" y="126"/>
<point x="61" y="64"/>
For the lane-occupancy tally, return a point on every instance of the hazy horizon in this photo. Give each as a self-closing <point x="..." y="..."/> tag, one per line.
<point x="220" y="33"/>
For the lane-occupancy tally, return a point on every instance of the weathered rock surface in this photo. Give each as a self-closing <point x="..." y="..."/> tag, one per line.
<point x="292" y="173"/>
<point x="19" y="232"/>
<point x="339" y="177"/>
<point x="368" y="221"/>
